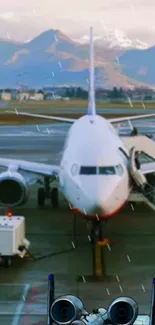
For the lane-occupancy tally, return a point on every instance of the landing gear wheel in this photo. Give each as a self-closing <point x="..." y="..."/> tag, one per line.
<point x="95" y="232"/>
<point x="7" y="261"/>
<point x="41" y="197"/>
<point x="55" y="197"/>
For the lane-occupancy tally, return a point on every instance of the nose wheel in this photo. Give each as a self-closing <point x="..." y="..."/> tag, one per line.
<point x="98" y="241"/>
<point x="98" y="232"/>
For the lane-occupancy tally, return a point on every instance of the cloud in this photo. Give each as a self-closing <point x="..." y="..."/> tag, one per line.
<point x="7" y="15"/>
<point x="74" y="17"/>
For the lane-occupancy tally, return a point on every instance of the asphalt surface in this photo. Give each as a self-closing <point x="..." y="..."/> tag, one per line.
<point x="82" y="110"/>
<point x="129" y="258"/>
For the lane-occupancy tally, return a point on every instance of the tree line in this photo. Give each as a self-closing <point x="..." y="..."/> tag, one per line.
<point x="79" y="92"/>
<point x="83" y="94"/>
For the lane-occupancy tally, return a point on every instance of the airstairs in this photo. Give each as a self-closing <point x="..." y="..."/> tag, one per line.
<point x="141" y="143"/>
<point x="145" y="191"/>
<point x="141" y="198"/>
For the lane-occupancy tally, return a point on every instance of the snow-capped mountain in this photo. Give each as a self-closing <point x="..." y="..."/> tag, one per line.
<point x="53" y="56"/>
<point x="115" y="39"/>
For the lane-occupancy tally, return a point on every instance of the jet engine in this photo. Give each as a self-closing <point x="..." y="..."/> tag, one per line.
<point x="123" y="311"/>
<point x="13" y="189"/>
<point x="66" y="309"/>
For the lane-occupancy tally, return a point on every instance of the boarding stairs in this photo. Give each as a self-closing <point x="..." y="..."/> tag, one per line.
<point x="145" y="191"/>
<point x="141" y="143"/>
<point x="141" y="198"/>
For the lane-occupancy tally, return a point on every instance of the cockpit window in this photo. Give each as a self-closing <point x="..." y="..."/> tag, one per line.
<point x="88" y="170"/>
<point x="107" y="170"/>
<point x="102" y="170"/>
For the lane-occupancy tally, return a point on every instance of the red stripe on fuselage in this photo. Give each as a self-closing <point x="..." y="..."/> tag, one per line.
<point x="105" y="216"/>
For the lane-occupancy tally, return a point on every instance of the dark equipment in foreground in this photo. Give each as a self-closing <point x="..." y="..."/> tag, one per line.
<point x="66" y="310"/>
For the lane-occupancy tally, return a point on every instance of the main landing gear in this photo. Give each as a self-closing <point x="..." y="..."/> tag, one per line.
<point x="47" y="193"/>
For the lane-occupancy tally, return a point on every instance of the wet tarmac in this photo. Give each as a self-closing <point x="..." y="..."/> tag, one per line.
<point x="129" y="258"/>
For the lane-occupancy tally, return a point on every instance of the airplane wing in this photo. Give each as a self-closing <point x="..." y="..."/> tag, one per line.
<point x="31" y="167"/>
<point x="72" y="120"/>
<point x="129" y="118"/>
<point x="49" y="117"/>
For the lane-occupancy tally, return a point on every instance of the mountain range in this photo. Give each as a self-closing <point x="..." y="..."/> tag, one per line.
<point x="52" y="58"/>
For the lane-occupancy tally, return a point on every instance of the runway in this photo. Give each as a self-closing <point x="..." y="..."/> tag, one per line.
<point x="129" y="257"/>
<point x="34" y="140"/>
<point x="69" y="108"/>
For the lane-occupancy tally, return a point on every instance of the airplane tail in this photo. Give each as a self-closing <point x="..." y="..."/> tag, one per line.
<point x="91" y="95"/>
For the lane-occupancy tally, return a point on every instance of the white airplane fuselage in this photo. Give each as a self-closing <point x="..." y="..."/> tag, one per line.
<point x="94" y="174"/>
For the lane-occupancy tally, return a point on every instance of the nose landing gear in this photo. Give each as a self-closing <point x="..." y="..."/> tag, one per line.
<point x="98" y="241"/>
<point x="97" y="235"/>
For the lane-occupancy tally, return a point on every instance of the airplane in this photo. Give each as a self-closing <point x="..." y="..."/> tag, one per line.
<point x="97" y="173"/>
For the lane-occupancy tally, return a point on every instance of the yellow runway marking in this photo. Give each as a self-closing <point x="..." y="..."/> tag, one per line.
<point x="98" y="260"/>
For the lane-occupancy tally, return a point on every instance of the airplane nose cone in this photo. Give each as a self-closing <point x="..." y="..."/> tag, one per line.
<point x="102" y="195"/>
<point x="100" y="191"/>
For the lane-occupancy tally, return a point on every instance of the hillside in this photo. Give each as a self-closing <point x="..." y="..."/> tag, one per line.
<point x="53" y="58"/>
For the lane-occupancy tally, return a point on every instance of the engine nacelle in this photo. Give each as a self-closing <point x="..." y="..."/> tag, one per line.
<point x="123" y="311"/>
<point x="13" y="189"/>
<point x="66" y="309"/>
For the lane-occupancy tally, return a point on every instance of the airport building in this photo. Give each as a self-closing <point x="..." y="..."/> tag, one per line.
<point x="6" y="96"/>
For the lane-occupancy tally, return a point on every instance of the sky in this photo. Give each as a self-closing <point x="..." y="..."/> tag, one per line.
<point x="22" y="20"/>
